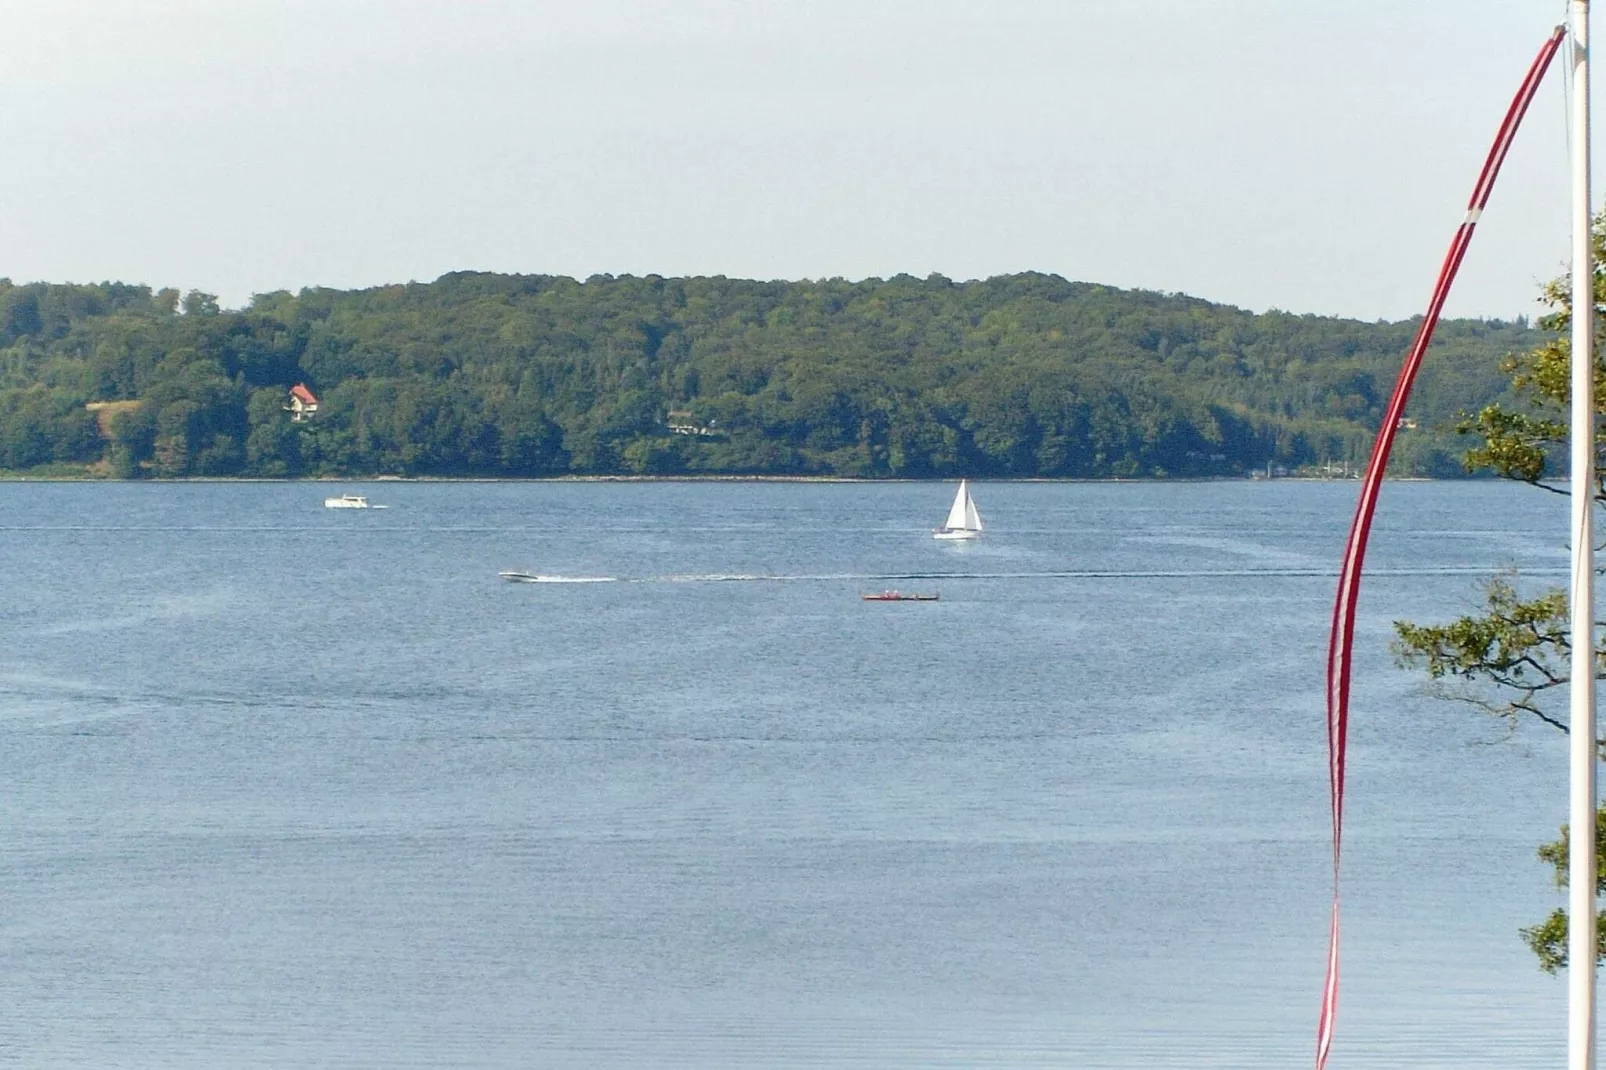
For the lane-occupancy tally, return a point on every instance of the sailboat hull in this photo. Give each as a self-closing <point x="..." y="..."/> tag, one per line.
<point x="955" y="534"/>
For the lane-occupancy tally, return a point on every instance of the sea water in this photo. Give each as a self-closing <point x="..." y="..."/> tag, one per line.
<point x="291" y="787"/>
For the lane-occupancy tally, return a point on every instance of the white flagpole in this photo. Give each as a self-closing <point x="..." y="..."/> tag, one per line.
<point x="1581" y="815"/>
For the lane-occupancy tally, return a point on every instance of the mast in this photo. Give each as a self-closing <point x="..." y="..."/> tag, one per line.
<point x="1581" y="808"/>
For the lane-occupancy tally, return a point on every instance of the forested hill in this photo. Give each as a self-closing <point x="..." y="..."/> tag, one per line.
<point x="501" y="375"/>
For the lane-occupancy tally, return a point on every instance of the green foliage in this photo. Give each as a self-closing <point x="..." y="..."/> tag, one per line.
<point x="1548" y="939"/>
<point x="1525" y="443"/>
<point x="39" y="426"/>
<point x="480" y="374"/>
<point x="1519" y="645"/>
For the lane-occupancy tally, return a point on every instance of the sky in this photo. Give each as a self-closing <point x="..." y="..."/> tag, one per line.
<point x="1311" y="156"/>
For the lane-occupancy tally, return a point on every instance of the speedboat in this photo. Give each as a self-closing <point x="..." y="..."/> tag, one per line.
<point x="522" y="577"/>
<point x="346" y="501"/>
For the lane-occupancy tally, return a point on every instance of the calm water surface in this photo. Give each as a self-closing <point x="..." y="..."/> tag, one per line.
<point x="293" y="787"/>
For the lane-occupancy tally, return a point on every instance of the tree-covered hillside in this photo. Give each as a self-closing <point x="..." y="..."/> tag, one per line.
<point x="501" y="375"/>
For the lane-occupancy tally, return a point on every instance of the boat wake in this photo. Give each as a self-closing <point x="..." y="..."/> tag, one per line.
<point x="1068" y="574"/>
<point x="747" y="577"/>
<point x="537" y="577"/>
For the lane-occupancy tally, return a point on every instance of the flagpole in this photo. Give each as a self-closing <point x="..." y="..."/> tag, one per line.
<point x="1581" y="810"/>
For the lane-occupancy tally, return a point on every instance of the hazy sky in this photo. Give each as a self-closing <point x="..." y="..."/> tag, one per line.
<point x="1310" y="155"/>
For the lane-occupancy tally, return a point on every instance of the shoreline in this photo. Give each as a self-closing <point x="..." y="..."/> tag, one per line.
<point x="6" y="477"/>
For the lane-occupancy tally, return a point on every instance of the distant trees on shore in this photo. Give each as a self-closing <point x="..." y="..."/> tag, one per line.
<point x="503" y="375"/>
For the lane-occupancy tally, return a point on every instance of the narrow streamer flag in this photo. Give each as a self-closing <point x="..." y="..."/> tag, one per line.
<point x="1340" y="642"/>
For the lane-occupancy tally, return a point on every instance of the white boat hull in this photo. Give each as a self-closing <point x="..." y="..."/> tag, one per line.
<point x="347" y="502"/>
<point x="955" y="534"/>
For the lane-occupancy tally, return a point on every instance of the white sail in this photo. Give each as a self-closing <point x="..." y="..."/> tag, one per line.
<point x="963" y="521"/>
<point x="959" y="516"/>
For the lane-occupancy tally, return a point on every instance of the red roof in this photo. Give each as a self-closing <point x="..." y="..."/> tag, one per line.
<point x="303" y="395"/>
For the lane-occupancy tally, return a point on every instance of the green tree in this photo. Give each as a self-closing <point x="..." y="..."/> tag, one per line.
<point x="273" y="444"/>
<point x="133" y="440"/>
<point x="197" y="303"/>
<point x="175" y="428"/>
<point x="1512" y="658"/>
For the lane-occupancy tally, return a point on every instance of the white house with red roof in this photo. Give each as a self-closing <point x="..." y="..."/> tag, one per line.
<point x="303" y="403"/>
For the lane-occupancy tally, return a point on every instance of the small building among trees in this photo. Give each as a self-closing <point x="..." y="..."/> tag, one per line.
<point x="683" y="423"/>
<point x="303" y="403"/>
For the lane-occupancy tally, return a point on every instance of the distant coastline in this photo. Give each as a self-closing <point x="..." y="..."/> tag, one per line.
<point x="15" y="477"/>
<point x="534" y="376"/>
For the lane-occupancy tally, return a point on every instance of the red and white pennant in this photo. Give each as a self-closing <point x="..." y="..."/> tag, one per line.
<point x="1340" y="643"/>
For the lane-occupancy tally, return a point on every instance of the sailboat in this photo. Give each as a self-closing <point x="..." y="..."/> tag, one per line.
<point x="963" y="521"/>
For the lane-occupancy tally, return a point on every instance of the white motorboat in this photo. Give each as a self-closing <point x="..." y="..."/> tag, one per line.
<point x="541" y="577"/>
<point x="963" y="522"/>
<point x="522" y="577"/>
<point x="346" y="501"/>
